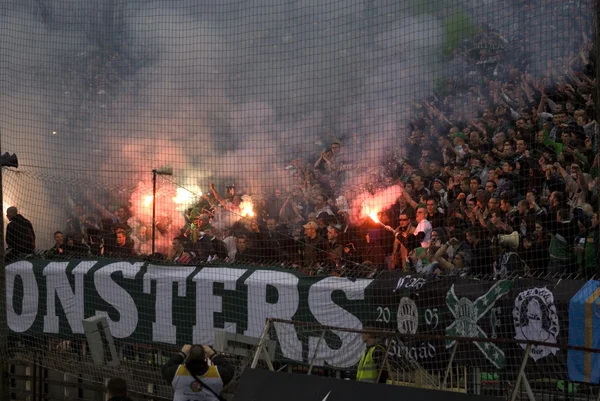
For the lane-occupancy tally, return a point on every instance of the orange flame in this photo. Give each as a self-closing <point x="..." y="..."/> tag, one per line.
<point x="246" y="209"/>
<point x="185" y="196"/>
<point x="373" y="216"/>
<point x="148" y="200"/>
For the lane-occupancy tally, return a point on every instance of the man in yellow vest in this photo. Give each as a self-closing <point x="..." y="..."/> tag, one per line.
<point x="197" y="373"/>
<point x="372" y="360"/>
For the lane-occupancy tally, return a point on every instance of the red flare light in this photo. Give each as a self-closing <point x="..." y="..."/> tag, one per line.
<point x="373" y="216"/>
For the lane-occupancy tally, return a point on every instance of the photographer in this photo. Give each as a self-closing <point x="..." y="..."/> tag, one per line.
<point x="197" y="373"/>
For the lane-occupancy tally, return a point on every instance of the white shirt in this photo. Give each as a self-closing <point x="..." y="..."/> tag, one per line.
<point x="230" y="244"/>
<point x="424" y="227"/>
<point x="186" y="388"/>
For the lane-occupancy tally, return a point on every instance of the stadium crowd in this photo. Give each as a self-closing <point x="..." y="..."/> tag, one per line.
<point x="500" y="176"/>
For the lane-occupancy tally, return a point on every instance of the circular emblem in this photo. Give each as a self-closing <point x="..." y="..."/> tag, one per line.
<point x="535" y="319"/>
<point x="466" y="318"/>
<point x="195" y="386"/>
<point x="408" y="316"/>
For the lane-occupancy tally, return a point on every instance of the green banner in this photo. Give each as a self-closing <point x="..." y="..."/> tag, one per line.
<point x="147" y="303"/>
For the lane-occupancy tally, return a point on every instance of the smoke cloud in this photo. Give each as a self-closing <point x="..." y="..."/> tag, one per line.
<point x="96" y="94"/>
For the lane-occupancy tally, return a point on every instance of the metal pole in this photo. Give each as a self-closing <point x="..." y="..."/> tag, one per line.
<point x="387" y="351"/>
<point x="312" y="361"/>
<point x="449" y="367"/>
<point x="515" y="390"/>
<point x="597" y="102"/>
<point x="528" y="389"/>
<point x="261" y="344"/>
<point x="597" y="72"/>
<point x="153" y="208"/>
<point x="4" y="383"/>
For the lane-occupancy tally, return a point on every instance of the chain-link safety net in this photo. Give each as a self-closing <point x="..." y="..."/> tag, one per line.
<point x="180" y="172"/>
<point x="431" y="360"/>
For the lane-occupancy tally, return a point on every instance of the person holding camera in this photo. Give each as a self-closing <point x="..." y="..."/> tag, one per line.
<point x="197" y="373"/>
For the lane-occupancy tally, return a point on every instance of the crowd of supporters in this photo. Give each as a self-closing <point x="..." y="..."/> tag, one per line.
<point x="528" y="165"/>
<point x="499" y="176"/>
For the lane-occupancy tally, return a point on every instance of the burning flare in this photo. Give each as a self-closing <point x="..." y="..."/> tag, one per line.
<point x="185" y="196"/>
<point x="246" y="209"/>
<point x="148" y="200"/>
<point x="369" y="205"/>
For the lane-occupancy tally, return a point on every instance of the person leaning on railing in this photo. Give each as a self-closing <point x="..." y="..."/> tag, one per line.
<point x="197" y="373"/>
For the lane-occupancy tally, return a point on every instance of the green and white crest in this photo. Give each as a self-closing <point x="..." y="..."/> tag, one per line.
<point x="467" y="315"/>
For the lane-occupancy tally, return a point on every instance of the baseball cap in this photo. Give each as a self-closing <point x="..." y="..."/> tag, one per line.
<point x="439" y="180"/>
<point x="310" y="224"/>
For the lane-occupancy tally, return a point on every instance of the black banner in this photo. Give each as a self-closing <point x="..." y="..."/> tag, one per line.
<point x="263" y="385"/>
<point x="53" y="298"/>
<point x="523" y="309"/>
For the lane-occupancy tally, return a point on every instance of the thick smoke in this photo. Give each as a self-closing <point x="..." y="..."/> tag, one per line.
<point x="97" y="94"/>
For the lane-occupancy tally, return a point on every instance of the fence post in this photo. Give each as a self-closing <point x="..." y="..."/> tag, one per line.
<point x="312" y="361"/>
<point x="261" y="344"/>
<point x="151" y="390"/>
<point x="528" y="389"/>
<point x="4" y="383"/>
<point x="515" y="390"/>
<point x="597" y="103"/>
<point x="29" y="382"/>
<point x="387" y="351"/>
<point x="449" y="367"/>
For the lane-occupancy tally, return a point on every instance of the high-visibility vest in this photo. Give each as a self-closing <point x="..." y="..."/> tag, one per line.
<point x="367" y="369"/>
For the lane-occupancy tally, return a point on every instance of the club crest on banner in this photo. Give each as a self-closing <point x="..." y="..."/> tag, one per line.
<point x="467" y="316"/>
<point x="535" y="318"/>
<point x="408" y="316"/>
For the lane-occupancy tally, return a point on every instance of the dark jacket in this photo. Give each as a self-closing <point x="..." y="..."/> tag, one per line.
<point x="437" y="220"/>
<point x="374" y="253"/>
<point x="20" y="236"/>
<point x="314" y="251"/>
<point x="226" y="371"/>
<point x="207" y="246"/>
<point x="482" y="261"/>
<point x="111" y="249"/>
<point x="57" y="252"/>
